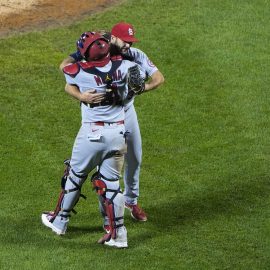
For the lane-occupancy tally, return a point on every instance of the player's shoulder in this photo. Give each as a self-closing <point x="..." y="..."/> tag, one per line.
<point x="127" y="63"/>
<point x="72" y="70"/>
<point x="86" y="65"/>
<point x="135" y="52"/>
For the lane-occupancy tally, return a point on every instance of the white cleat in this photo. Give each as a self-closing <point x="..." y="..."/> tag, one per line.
<point x="45" y="218"/>
<point x="116" y="243"/>
<point x="120" y="241"/>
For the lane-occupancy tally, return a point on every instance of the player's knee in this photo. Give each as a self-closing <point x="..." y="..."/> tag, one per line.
<point x="75" y="179"/>
<point x="98" y="184"/>
<point x="108" y="188"/>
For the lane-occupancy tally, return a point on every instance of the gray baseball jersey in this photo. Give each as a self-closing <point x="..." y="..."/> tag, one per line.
<point x="100" y="140"/>
<point x="85" y="81"/>
<point x="87" y="152"/>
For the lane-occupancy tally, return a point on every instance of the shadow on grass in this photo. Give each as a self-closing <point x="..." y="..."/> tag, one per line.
<point x="233" y="199"/>
<point x="21" y="233"/>
<point x="84" y="229"/>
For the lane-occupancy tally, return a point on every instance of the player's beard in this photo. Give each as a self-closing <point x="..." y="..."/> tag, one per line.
<point x="124" y="49"/>
<point x="115" y="50"/>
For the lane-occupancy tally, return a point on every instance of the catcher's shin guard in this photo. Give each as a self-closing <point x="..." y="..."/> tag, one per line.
<point x="71" y="192"/>
<point x="113" y="201"/>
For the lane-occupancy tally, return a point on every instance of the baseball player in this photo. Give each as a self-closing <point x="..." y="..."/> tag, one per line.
<point x="121" y="39"/>
<point x="100" y="140"/>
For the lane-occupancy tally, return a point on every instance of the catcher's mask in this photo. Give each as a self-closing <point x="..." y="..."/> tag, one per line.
<point x="95" y="47"/>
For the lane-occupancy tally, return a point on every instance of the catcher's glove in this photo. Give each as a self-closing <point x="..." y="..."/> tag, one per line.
<point x="135" y="81"/>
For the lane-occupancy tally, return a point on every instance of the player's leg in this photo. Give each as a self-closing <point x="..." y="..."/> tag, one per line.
<point x="133" y="160"/>
<point x="113" y="201"/>
<point x="106" y="183"/>
<point x="133" y="157"/>
<point x="69" y="196"/>
<point x="82" y="162"/>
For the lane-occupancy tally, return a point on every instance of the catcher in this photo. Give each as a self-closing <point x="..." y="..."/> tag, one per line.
<point x="121" y="38"/>
<point x="100" y="140"/>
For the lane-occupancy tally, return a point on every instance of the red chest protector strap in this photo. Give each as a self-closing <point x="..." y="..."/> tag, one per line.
<point x="116" y="57"/>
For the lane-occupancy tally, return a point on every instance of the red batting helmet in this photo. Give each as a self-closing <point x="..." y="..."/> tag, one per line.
<point x="94" y="47"/>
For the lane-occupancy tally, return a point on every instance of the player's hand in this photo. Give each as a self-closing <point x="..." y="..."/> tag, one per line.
<point x="91" y="96"/>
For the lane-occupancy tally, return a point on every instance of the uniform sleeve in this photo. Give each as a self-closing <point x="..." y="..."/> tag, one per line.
<point x="70" y="80"/>
<point x="76" y="56"/>
<point x="143" y="61"/>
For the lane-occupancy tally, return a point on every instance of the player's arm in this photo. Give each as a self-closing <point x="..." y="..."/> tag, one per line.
<point x="89" y="96"/>
<point x="73" y="91"/>
<point x="156" y="79"/>
<point x="66" y="61"/>
<point x="73" y="58"/>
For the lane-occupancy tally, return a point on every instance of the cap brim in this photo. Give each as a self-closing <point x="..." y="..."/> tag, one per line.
<point x="130" y="39"/>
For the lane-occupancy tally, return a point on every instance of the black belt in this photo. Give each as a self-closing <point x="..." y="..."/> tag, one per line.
<point x="104" y="103"/>
<point x="99" y="123"/>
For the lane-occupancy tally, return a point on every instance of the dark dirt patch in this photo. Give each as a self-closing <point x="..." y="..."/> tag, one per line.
<point x="49" y="13"/>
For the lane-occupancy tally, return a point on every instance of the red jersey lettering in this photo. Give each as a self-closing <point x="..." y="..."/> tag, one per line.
<point x="98" y="80"/>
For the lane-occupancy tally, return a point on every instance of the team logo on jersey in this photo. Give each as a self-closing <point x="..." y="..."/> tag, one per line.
<point x="130" y="32"/>
<point x="150" y="63"/>
<point x="116" y="76"/>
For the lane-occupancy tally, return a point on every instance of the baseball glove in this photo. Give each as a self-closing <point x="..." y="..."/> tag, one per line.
<point x="135" y="81"/>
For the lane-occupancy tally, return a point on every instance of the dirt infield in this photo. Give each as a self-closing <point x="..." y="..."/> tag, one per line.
<point x="26" y="15"/>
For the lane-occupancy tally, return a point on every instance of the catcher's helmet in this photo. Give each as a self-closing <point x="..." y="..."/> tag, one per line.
<point x="93" y="46"/>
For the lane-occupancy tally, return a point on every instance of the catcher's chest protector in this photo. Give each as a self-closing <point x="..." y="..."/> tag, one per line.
<point x="106" y="77"/>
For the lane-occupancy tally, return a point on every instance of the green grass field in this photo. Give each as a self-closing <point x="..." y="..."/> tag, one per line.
<point x="206" y="142"/>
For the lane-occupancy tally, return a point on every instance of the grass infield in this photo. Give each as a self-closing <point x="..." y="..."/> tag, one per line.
<point x="205" y="173"/>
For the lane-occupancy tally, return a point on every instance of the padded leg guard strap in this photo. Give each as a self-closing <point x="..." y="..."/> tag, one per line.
<point x="113" y="201"/>
<point x="72" y="193"/>
<point x="69" y="196"/>
<point x="114" y="222"/>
